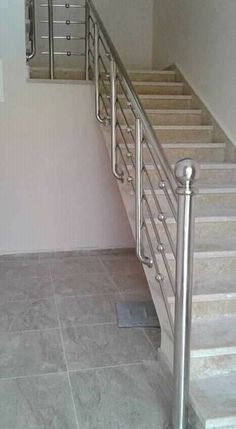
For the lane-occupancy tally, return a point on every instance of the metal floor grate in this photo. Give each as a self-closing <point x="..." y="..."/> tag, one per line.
<point x="132" y="314"/>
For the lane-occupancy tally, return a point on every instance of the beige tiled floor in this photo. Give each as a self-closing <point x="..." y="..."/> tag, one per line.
<point x="64" y="363"/>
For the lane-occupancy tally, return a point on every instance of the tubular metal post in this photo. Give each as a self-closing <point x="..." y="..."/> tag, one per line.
<point x="96" y="72"/>
<point x="186" y="172"/>
<point x="51" y="40"/>
<point x="113" y="74"/>
<point x="139" y="194"/>
<point x="86" y="41"/>
<point x="32" y="33"/>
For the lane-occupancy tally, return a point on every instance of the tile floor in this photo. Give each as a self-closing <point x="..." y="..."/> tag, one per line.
<point x="64" y="364"/>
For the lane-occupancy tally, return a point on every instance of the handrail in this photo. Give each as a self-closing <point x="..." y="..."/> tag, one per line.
<point x="32" y="30"/>
<point x="137" y="104"/>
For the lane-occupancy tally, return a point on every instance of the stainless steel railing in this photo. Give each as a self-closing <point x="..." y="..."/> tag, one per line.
<point x="164" y="203"/>
<point x="31" y="30"/>
<point x="59" y="30"/>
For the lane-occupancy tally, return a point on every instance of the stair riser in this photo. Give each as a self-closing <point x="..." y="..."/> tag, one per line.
<point x="204" y="231"/>
<point x="155" y="89"/>
<point x="218" y="176"/>
<point x="175" y="154"/>
<point x="203" y="366"/>
<point x="152" y="103"/>
<point x="211" y="309"/>
<point x="164" y="118"/>
<point x="202" y="201"/>
<point x="184" y="136"/>
<point x="207" y="177"/>
<point x="152" y="77"/>
<point x="208" y="270"/>
<point x="158" y="90"/>
<point x="210" y="366"/>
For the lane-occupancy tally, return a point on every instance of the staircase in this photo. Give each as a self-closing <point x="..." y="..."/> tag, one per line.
<point x="187" y="131"/>
<point x="176" y="125"/>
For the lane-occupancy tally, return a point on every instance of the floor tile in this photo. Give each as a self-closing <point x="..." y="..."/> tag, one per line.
<point x="140" y="295"/>
<point x="87" y="310"/>
<point x="154" y="335"/>
<point x="29" y="288"/>
<point x="27" y="353"/>
<point x="42" y="402"/>
<point x="130" y="282"/>
<point x="76" y="265"/>
<point x="30" y="268"/>
<point x="105" y="345"/>
<point x="28" y="315"/>
<point x="123" y="264"/>
<point x="84" y="284"/>
<point x="125" y="397"/>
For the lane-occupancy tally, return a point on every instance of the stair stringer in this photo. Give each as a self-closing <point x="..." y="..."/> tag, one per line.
<point x="166" y="348"/>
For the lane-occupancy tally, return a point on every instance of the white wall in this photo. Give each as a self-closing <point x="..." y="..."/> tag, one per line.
<point x="200" y="36"/>
<point x="129" y="23"/>
<point x="56" y="189"/>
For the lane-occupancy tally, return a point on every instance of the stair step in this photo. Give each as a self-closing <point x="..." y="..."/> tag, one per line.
<point x="210" y="173"/>
<point x="152" y="75"/>
<point x="161" y="101"/>
<point x="158" y="87"/>
<point x="212" y="197"/>
<point x="181" y="133"/>
<point x="213" y="399"/>
<point x="165" y="116"/>
<point x="184" y="133"/>
<point x="216" y="336"/>
<point x="211" y="152"/>
<point x="154" y="88"/>
<point x="210" y="232"/>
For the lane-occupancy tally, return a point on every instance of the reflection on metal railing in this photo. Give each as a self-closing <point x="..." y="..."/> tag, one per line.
<point x="30" y="7"/>
<point x="138" y="156"/>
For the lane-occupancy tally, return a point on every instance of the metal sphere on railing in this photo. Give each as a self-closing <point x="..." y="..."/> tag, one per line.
<point x="187" y="171"/>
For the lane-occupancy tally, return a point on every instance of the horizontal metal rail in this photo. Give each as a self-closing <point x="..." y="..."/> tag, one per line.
<point x="67" y="53"/>
<point x="65" y="22"/>
<point x="68" y="37"/>
<point x="66" y="5"/>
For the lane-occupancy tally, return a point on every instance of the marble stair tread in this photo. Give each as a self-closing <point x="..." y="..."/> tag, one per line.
<point x="203" y="216"/>
<point x="179" y="144"/>
<point x="203" y="166"/>
<point x="215" y="336"/>
<point x="220" y="288"/>
<point x="214" y="401"/>
<point x="208" y="189"/>
<point x="170" y="111"/>
<point x="214" y="249"/>
<point x="161" y="96"/>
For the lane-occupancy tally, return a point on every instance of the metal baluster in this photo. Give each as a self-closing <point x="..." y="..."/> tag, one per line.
<point x="51" y="40"/>
<point x="186" y="172"/>
<point x="113" y="74"/>
<point x="139" y="194"/>
<point x="96" y="73"/>
<point x="32" y="31"/>
<point x="87" y="13"/>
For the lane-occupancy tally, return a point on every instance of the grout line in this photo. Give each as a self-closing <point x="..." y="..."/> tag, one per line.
<point x="56" y="328"/>
<point x="19" y="377"/>
<point x="109" y="275"/>
<point x="64" y="352"/>
<point x="60" y="373"/>
<point x="121" y="365"/>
